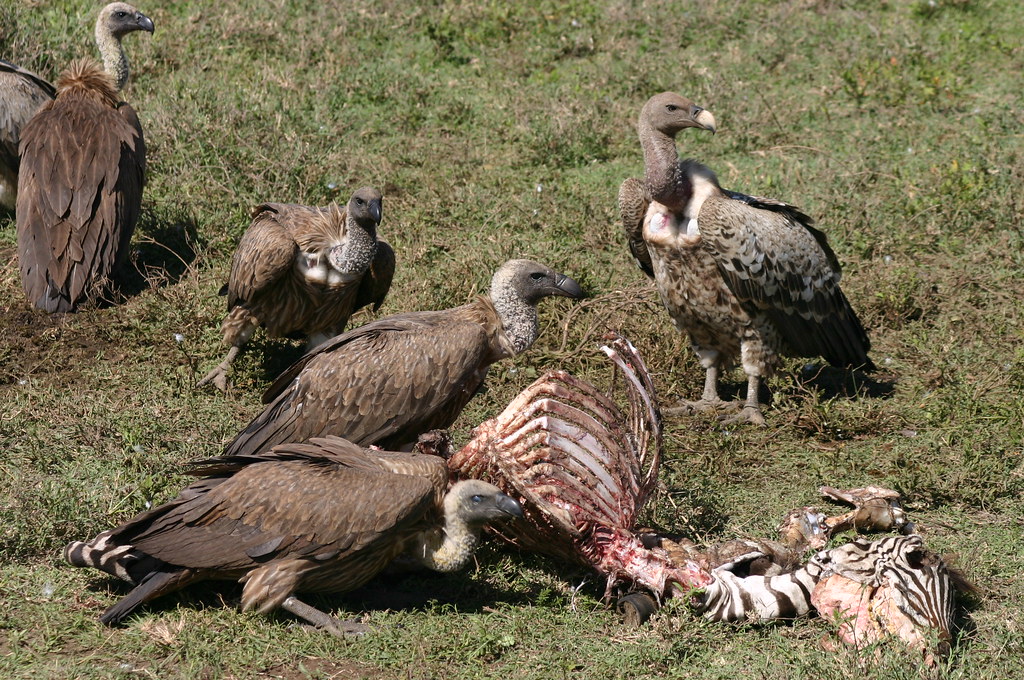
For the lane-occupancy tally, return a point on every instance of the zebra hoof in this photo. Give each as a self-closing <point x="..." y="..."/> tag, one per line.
<point x="636" y="608"/>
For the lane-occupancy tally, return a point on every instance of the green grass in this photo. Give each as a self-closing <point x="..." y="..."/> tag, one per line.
<point x="502" y="130"/>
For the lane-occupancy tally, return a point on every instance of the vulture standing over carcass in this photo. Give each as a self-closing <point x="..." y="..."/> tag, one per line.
<point x="22" y="93"/>
<point x="743" y="276"/>
<point x="389" y="381"/>
<point x="80" y="183"/>
<point x="303" y="271"/>
<point x="324" y="516"/>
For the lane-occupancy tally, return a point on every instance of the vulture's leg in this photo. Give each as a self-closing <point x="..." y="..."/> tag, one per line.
<point x="751" y="411"/>
<point x="323" y="621"/>
<point x="219" y="375"/>
<point x="709" y="401"/>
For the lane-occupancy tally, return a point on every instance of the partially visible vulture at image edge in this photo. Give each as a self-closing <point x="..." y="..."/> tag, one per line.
<point x="743" y="276"/>
<point x="80" y="183"/>
<point x="324" y="516"/>
<point x="390" y="380"/>
<point x="22" y="93"/>
<point x="303" y="271"/>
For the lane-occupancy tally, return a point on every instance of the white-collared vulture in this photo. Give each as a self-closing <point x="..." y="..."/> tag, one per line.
<point x="22" y="93"/>
<point x="301" y="271"/>
<point x="393" y="379"/>
<point x="80" y="183"/>
<point x="743" y="276"/>
<point x="324" y="516"/>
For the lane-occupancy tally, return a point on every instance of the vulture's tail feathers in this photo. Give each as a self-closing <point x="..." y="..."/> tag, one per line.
<point x="103" y="553"/>
<point x="155" y="584"/>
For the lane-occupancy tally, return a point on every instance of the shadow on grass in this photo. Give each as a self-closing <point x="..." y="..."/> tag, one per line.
<point x="407" y="592"/>
<point x="165" y="245"/>
<point x="835" y="383"/>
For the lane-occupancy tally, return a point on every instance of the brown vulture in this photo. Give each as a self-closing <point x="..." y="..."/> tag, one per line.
<point x="743" y="276"/>
<point x="303" y="271"/>
<point x="324" y="516"/>
<point x="80" y="182"/>
<point x="22" y="93"/>
<point x="392" y="379"/>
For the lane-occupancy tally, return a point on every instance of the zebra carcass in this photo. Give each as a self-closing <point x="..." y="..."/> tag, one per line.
<point x="890" y="587"/>
<point x="583" y="471"/>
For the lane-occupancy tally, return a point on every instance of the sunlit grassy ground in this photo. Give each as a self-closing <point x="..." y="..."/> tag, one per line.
<point x="500" y="129"/>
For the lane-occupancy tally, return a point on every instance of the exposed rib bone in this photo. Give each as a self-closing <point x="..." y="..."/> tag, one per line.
<point x="584" y="471"/>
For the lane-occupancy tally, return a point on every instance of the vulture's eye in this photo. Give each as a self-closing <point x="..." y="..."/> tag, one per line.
<point x="476" y="498"/>
<point x="536" y="276"/>
<point x="359" y="201"/>
<point x="672" y="107"/>
<point x="121" y="15"/>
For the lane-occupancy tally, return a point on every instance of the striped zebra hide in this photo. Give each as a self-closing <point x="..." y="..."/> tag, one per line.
<point x="757" y="597"/>
<point x="876" y="589"/>
<point x="891" y="587"/>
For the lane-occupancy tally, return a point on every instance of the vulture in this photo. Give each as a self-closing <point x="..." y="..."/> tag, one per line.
<point x="303" y="271"/>
<point x="80" y="181"/>
<point x="743" y="276"/>
<point x="323" y="516"/>
<point x="390" y="380"/>
<point x="22" y="93"/>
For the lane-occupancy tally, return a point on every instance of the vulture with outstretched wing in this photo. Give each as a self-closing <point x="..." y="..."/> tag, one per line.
<point x="743" y="276"/>
<point x="80" y="182"/>
<point x="302" y="271"/>
<point x="324" y="516"/>
<point x="392" y="379"/>
<point x="22" y="93"/>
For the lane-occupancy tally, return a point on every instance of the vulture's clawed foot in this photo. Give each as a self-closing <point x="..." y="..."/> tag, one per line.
<point x="322" y="621"/>
<point x="218" y="377"/>
<point x="748" y="415"/>
<point x="692" y="408"/>
<point x="345" y="628"/>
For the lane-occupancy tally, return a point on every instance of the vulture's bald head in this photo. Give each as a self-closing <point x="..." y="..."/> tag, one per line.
<point x="530" y="281"/>
<point x="120" y="18"/>
<point x="669" y="113"/>
<point x="477" y="503"/>
<point x="366" y="207"/>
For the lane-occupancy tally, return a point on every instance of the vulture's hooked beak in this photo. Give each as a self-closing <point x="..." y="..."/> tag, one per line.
<point x="567" y="287"/>
<point x="376" y="211"/>
<point x="145" y="23"/>
<point x="508" y="505"/>
<point x="704" y="120"/>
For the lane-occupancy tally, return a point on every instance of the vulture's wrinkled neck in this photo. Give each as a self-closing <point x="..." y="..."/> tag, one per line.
<point x="115" y="63"/>
<point x="666" y="182"/>
<point x="448" y="548"/>
<point x="518" y="317"/>
<point x="359" y="249"/>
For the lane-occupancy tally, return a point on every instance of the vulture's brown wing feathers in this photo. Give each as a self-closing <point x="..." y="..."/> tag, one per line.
<point x="368" y="385"/>
<point x="377" y="280"/>
<point x="285" y="501"/>
<point x="791" y="212"/>
<point x="779" y="264"/>
<point x="323" y="516"/>
<point x="22" y="93"/>
<point x="266" y="252"/>
<point x="77" y="201"/>
<point x="633" y="203"/>
<point x="291" y="508"/>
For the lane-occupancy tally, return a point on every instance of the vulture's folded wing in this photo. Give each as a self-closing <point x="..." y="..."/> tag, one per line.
<point x="783" y="267"/>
